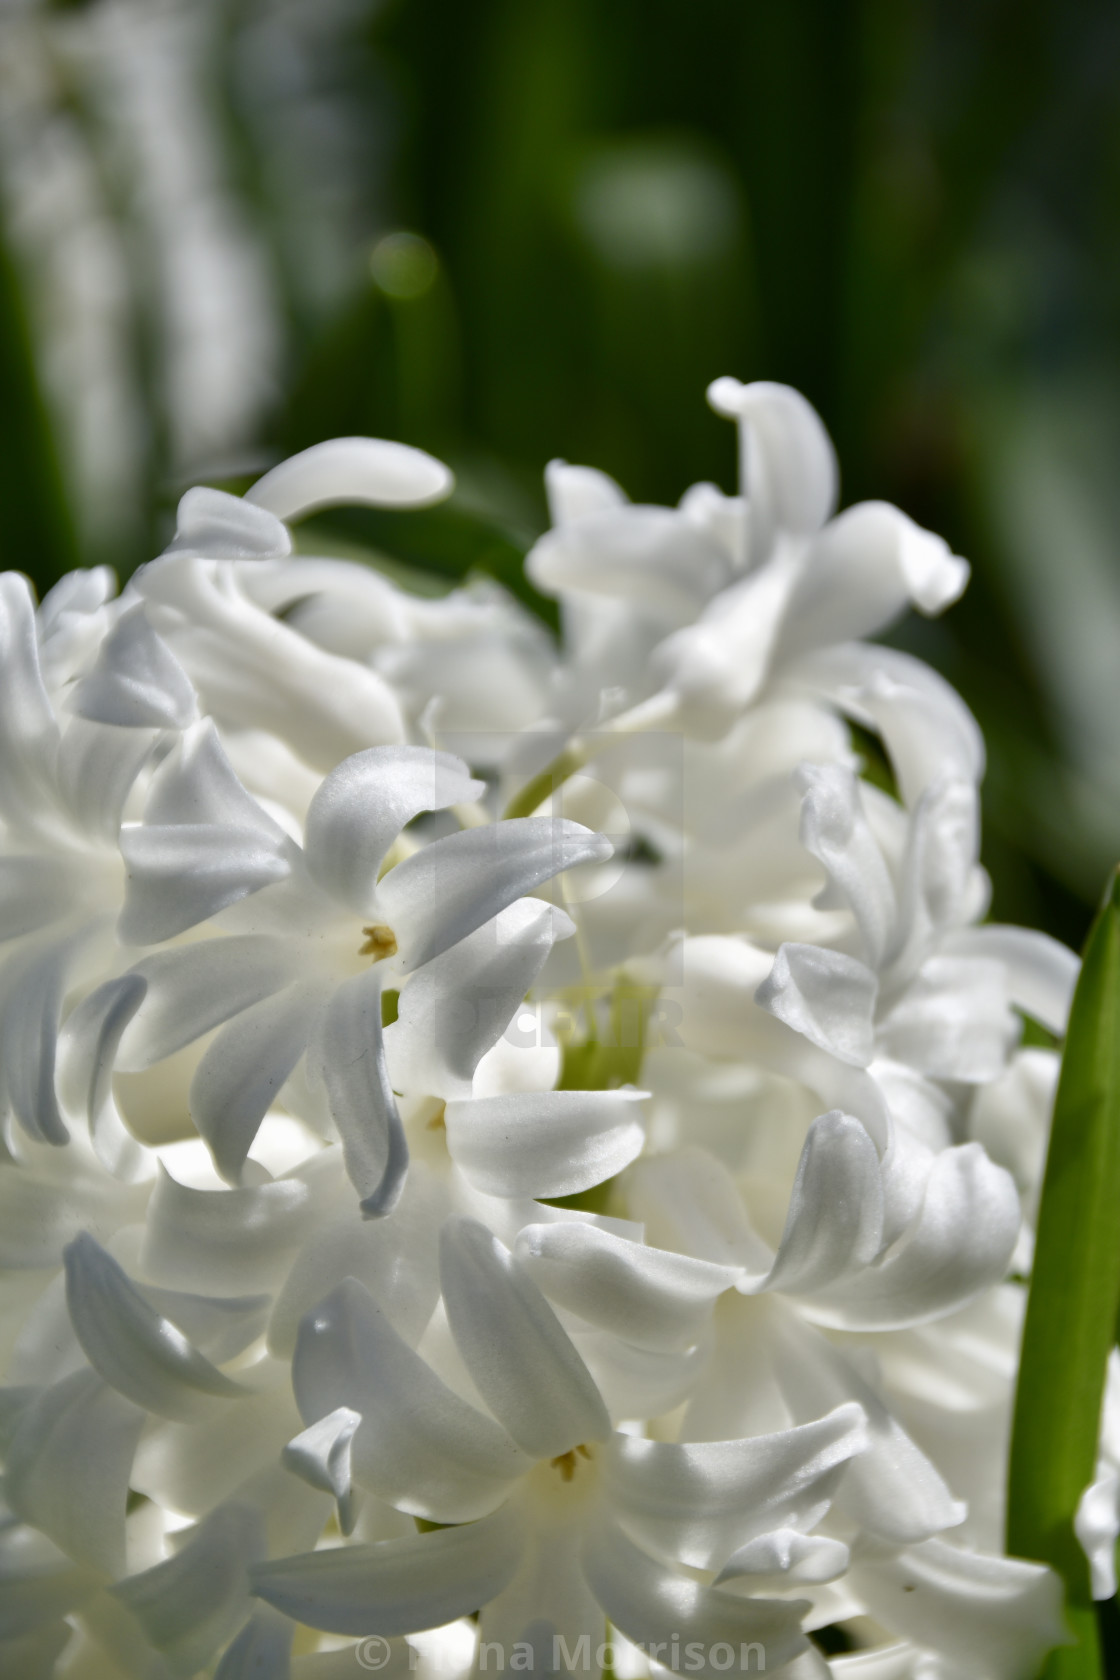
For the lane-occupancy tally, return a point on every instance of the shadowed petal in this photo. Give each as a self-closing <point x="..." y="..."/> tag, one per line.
<point x="361" y="807"/>
<point x="395" y="1586"/>
<point x="137" y="1351"/>
<point x="544" y="1143"/>
<point x="521" y="1360"/>
<point x="444" y="892"/>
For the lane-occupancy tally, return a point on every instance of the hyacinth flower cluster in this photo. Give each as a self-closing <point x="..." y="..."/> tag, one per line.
<point x="517" y="1155"/>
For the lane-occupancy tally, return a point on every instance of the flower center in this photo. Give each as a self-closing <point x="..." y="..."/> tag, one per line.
<point x="568" y="1463"/>
<point x="381" y="941"/>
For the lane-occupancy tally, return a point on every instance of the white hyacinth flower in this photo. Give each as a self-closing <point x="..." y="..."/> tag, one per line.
<point x="315" y="932"/>
<point x="559" y="1499"/>
<point x="347" y="1321"/>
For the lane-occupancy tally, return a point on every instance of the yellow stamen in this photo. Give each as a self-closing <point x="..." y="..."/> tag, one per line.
<point x="437" y="1123"/>
<point x="568" y="1463"/>
<point x="381" y="942"/>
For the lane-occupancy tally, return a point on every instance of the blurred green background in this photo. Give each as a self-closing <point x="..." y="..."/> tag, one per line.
<point x="516" y="229"/>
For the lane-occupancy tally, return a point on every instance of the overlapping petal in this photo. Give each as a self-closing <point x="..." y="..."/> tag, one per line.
<point x="444" y="892"/>
<point x="417" y="1444"/>
<point x="520" y="1358"/>
<point x="394" y="1586"/>
<point x="546" y="1143"/>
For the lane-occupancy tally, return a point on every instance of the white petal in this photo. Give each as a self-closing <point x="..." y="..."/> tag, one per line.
<point x="342" y="605"/>
<point x="224" y="1242"/>
<point x="262" y="1649"/>
<point x="699" y="1500"/>
<point x="927" y="729"/>
<point x="88" y="1051"/>
<point x="827" y="997"/>
<point x="544" y="1143"/>
<point x="788" y="465"/>
<point x="992" y="1615"/>
<point x="652" y="557"/>
<point x="350" y="1057"/>
<point x="194" y="988"/>
<point x="197" y="784"/>
<point x="785" y="1558"/>
<point x="40" y="1212"/>
<point x="97" y="767"/>
<point x="939" y="871"/>
<point x="31" y="992"/>
<point x="725" y="518"/>
<point x="361" y="807"/>
<point x="191" y="1467"/>
<point x="1041" y="973"/>
<point x="637" y="1382"/>
<point x="654" y="1298"/>
<point x="68" y="1468"/>
<point x="444" y="892"/>
<point x="717" y="665"/>
<point x="243" y="1069"/>
<point x="863" y="570"/>
<point x="653" y="1605"/>
<point x="689" y="1202"/>
<point x="38" y="1586"/>
<point x="204" y="844"/>
<point x="835" y="1218"/>
<point x="189" y="1605"/>
<point x="356" y="470"/>
<point x="75" y="595"/>
<point x="321" y="1455"/>
<point x="1010" y="1119"/>
<point x="953" y="1021"/>
<point x="883" y="1662"/>
<point x="523" y="1364"/>
<point x="32" y="892"/>
<point x="137" y="682"/>
<point x="395" y="1586"/>
<point x="221" y="1327"/>
<point x="835" y="830"/>
<point x="718" y="1013"/>
<point x="455" y="1009"/>
<point x="395" y="1258"/>
<point x="211" y="522"/>
<point x="718" y="1016"/>
<point x="137" y="1351"/>
<point x="960" y="1243"/>
<point x="255" y="670"/>
<point x="891" y="1489"/>
<point x="574" y="492"/>
<point x="180" y="876"/>
<point x="1097" y="1526"/>
<point x="418" y="1444"/>
<point x="548" y="1600"/>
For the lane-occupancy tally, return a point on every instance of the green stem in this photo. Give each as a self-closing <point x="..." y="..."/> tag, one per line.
<point x="1081" y="1661"/>
<point x="544" y="785"/>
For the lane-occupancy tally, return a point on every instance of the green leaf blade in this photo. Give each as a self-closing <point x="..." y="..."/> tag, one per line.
<point x="1075" y="1293"/>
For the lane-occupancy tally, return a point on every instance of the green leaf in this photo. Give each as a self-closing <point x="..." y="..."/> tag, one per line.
<point x="1074" y="1296"/>
<point x="37" y="532"/>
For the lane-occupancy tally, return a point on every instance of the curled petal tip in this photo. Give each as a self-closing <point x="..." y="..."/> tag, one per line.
<point x="370" y="472"/>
